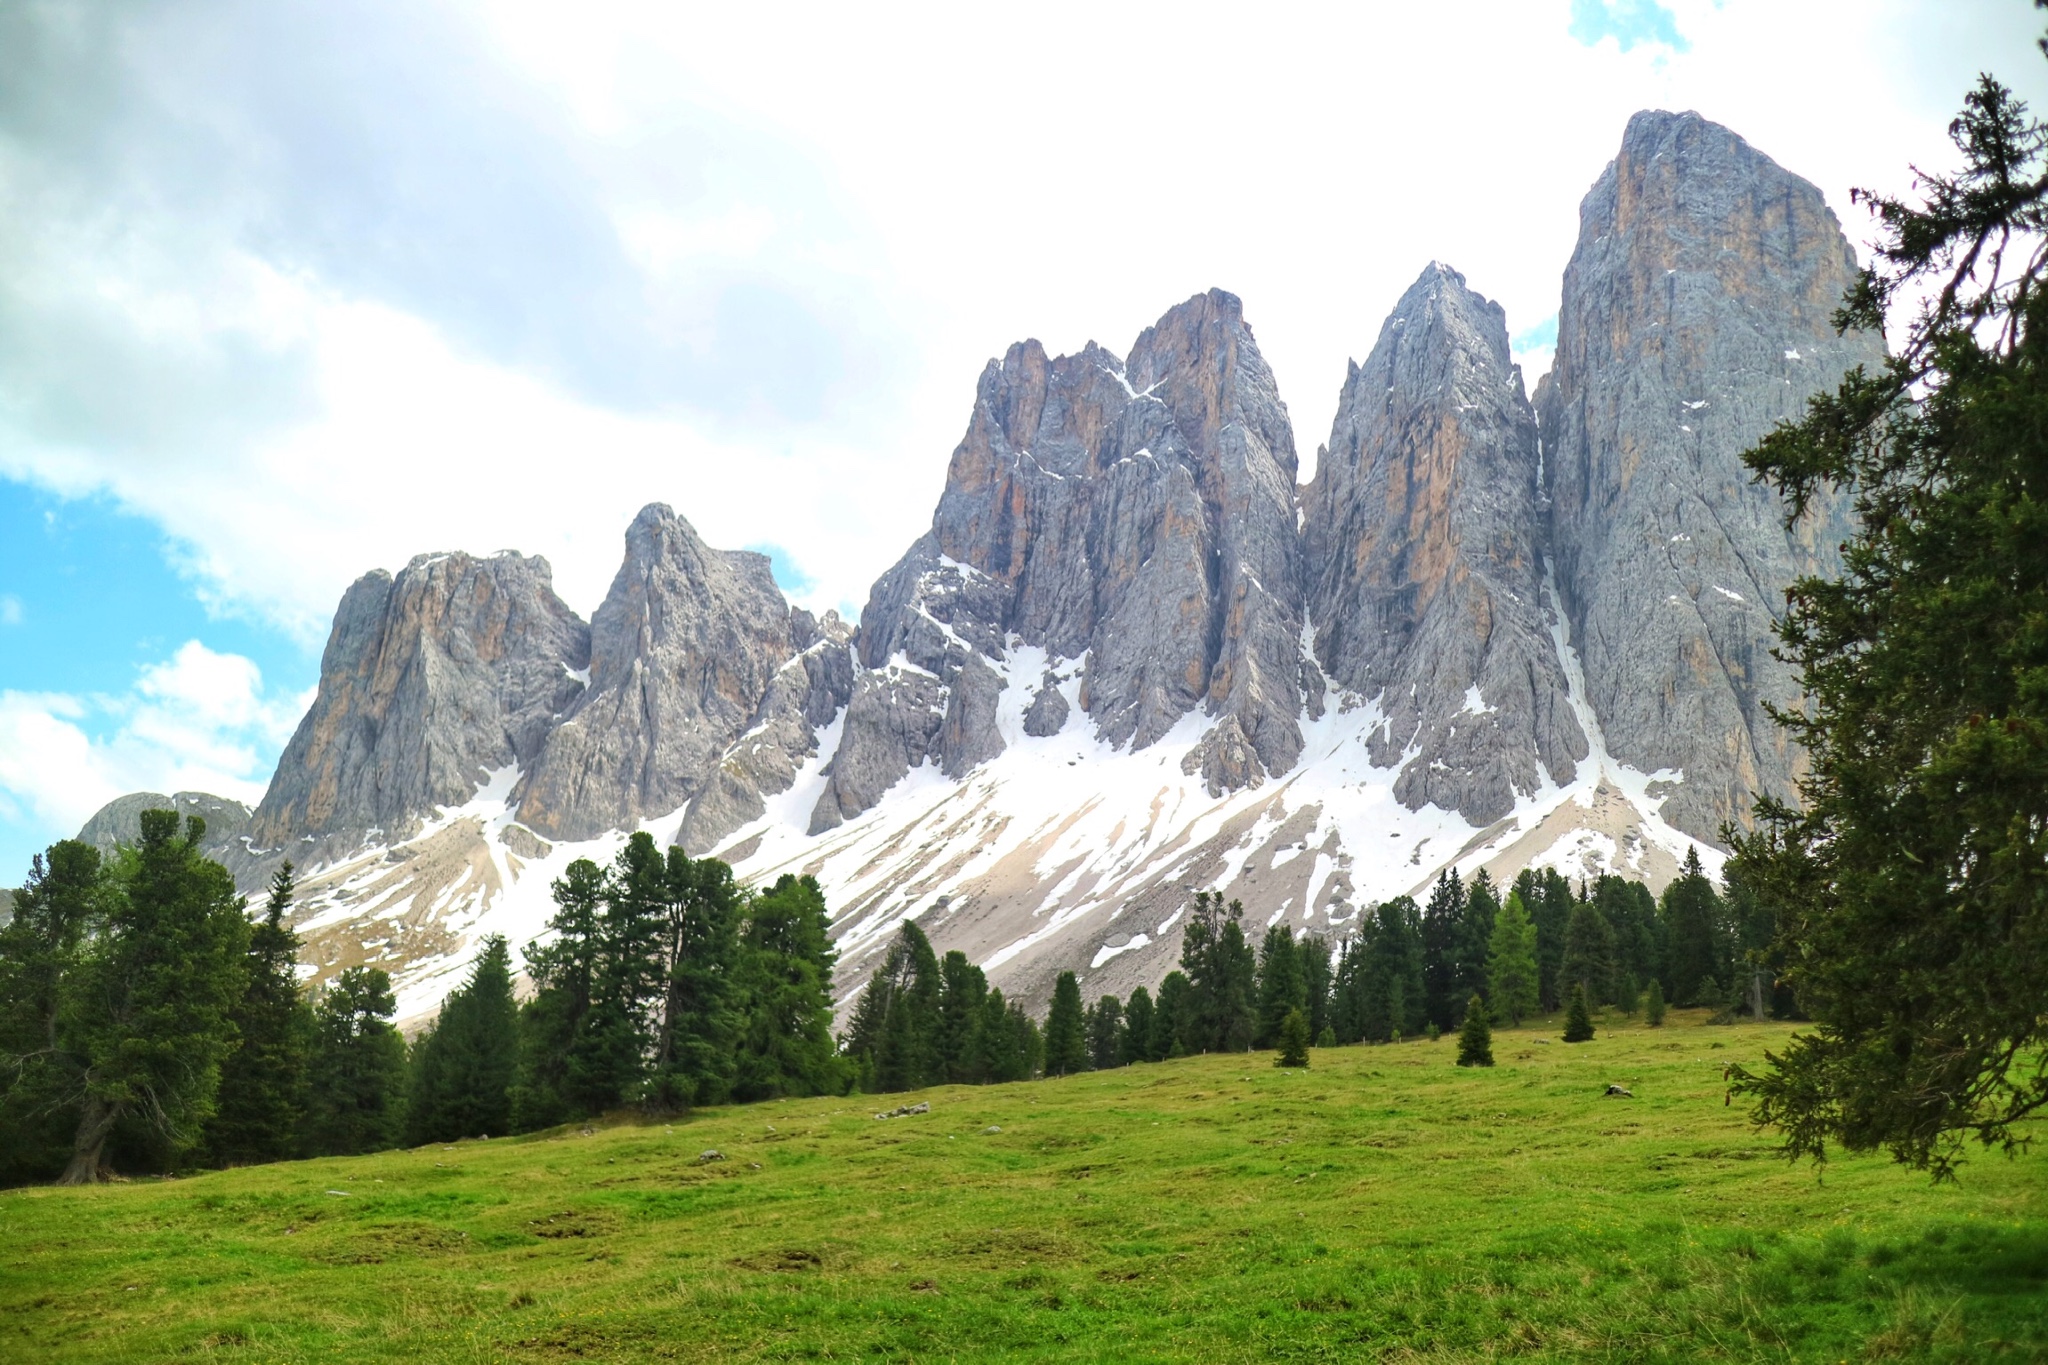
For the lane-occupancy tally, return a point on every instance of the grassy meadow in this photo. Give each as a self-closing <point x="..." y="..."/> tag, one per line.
<point x="1382" y="1205"/>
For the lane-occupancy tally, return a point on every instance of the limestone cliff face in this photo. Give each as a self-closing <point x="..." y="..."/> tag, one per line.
<point x="1423" y="539"/>
<point x="430" y="681"/>
<point x="688" y="643"/>
<point x="1696" y="314"/>
<point x="1139" y="513"/>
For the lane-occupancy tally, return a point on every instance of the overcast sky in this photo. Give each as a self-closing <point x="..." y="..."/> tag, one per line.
<point x="293" y="290"/>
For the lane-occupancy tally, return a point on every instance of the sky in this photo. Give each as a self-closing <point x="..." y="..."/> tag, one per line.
<point x="293" y="290"/>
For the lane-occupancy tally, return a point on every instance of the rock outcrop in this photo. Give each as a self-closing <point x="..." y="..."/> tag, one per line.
<point x="120" y="820"/>
<point x="688" y="643"/>
<point x="1696" y="315"/>
<point x="1138" y="514"/>
<point x="1424" y="545"/>
<point x="432" y="681"/>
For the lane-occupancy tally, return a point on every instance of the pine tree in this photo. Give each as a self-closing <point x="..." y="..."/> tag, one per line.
<point x="1008" y="1040"/>
<point x="1692" y="917"/>
<point x="356" y="1078"/>
<point x="962" y="989"/>
<point x="1475" y="1036"/>
<point x="1171" y="1019"/>
<point x="1135" y="1042"/>
<point x="1653" y="1004"/>
<point x="1578" y="1023"/>
<point x="702" y="1012"/>
<point x="556" y="1037"/>
<point x="1511" y="963"/>
<point x="1293" y="1040"/>
<point x="152" y="1020"/>
<point x="1327" y="1038"/>
<point x="1066" y="1042"/>
<point x="896" y="1059"/>
<point x="786" y="980"/>
<point x="464" y="1069"/>
<point x="1482" y="910"/>
<point x="262" y="1094"/>
<point x="1222" y="976"/>
<point x="64" y="904"/>
<point x="1547" y="896"/>
<point x="1317" y="975"/>
<point x="1105" y="1033"/>
<point x="1589" y="953"/>
<point x="1282" y="987"/>
<point x="1443" y="934"/>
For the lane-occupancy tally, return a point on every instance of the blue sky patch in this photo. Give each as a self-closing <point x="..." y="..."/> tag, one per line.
<point x="1628" y="22"/>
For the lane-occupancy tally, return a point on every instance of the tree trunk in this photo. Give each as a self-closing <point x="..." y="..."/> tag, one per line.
<point x="95" y="1120"/>
<point x="1756" y="993"/>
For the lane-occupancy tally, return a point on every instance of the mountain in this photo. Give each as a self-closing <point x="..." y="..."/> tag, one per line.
<point x="1426" y="535"/>
<point x="1133" y="654"/>
<point x="1696" y="316"/>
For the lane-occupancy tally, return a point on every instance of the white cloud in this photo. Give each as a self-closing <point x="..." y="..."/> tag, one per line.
<point x="11" y="613"/>
<point x="198" y="721"/>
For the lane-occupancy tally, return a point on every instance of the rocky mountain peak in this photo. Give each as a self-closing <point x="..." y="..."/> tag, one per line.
<point x="1425" y="554"/>
<point x="684" y="647"/>
<point x="431" y="681"/>
<point x="1696" y="315"/>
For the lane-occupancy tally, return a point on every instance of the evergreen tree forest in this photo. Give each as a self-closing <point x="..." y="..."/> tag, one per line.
<point x="149" y="1022"/>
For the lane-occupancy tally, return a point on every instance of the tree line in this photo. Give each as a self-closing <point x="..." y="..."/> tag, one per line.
<point x="1402" y="971"/>
<point x="147" y="1022"/>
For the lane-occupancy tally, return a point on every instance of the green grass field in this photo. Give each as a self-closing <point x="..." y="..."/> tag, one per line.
<point x="1382" y="1205"/>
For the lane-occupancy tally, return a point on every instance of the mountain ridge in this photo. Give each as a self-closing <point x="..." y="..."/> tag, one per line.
<point x="1133" y="653"/>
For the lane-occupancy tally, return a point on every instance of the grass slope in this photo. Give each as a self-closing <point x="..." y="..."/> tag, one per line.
<point x="1384" y="1204"/>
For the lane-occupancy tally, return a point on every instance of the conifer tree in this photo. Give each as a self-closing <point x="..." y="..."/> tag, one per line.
<point x="1511" y="963"/>
<point x="1475" y="1036"/>
<point x="1171" y="1021"/>
<point x="262" y="1094"/>
<point x="560" y="1073"/>
<point x="1443" y="935"/>
<point x="1283" y="988"/>
<point x="896" y="1053"/>
<point x="1697" y="939"/>
<point x="356" y="1079"/>
<point x="1653" y="1004"/>
<point x="1066" y="1042"/>
<point x="1317" y="976"/>
<point x="1134" y="1043"/>
<point x="786" y="980"/>
<point x="464" y="1069"/>
<point x="1475" y="941"/>
<point x="1589" y="953"/>
<point x="1578" y="1022"/>
<point x="1005" y="1040"/>
<point x="1293" y="1039"/>
<point x="65" y="901"/>
<point x="1547" y="896"/>
<point x="702" y="1012"/>
<point x="155" y="991"/>
<point x="1222" y="976"/>
<point x="1105" y="1034"/>
<point x="962" y="989"/>
<point x="1327" y="1038"/>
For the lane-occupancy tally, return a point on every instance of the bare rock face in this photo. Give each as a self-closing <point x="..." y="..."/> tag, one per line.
<point x="120" y="820"/>
<point x="1424" y="548"/>
<point x="1696" y="315"/>
<point x="1139" y="514"/>
<point x="431" y="680"/>
<point x="806" y="693"/>
<point x="688" y="643"/>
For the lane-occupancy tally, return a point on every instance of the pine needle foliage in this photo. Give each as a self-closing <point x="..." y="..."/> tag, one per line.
<point x="1911" y="885"/>
<point x="1578" y="1021"/>
<point x="1475" y="1037"/>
